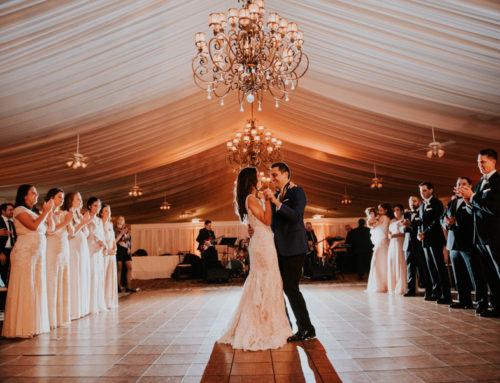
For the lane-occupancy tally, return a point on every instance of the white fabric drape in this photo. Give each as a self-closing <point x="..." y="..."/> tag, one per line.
<point x="172" y="238"/>
<point x="119" y="73"/>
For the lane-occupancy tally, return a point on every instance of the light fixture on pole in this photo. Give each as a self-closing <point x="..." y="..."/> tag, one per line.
<point x="135" y="191"/>
<point x="165" y="205"/>
<point x="346" y="200"/>
<point x="436" y="149"/>
<point x="249" y="54"/>
<point x="78" y="160"/>
<point x="376" y="181"/>
<point x="253" y="146"/>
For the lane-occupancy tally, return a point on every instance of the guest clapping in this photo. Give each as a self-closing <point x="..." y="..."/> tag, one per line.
<point x="58" y="285"/>
<point x="97" y="249"/>
<point x="79" y="259"/>
<point x="396" y="264"/>
<point x="123" y="256"/>
<point x="26" y="311"/>
<point x="110" y="278"/>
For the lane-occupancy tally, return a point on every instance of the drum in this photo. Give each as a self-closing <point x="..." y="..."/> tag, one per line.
<point x="236" y="267"/>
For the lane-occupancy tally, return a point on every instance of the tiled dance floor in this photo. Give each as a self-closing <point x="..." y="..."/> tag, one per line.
<point x="169" y="336"/>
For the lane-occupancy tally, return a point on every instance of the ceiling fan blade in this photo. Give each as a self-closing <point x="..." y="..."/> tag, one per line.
<point x="451" y="142"/>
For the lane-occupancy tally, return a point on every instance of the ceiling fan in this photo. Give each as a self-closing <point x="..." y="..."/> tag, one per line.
<point x="436" y="147"/>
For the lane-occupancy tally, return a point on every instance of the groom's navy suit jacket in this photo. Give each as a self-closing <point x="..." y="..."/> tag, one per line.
<point x="288" y="223"/>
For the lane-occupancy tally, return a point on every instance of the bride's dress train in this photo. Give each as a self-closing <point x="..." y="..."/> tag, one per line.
<point x="260" y="321"/>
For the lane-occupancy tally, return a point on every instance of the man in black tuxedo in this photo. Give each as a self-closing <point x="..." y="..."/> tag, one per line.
<point x="431" y="235"/>
<point x="6" y="242"/>
<point x="208" y="253"/>
<point x="414" y="252"/>
<point x="361" y="247"/>
<point x="291" y="243"/>
<point x="484" y="204"/>
<point x="464" y="258"/>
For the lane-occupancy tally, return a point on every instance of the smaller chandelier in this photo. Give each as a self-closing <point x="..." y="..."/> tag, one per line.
<point x="376" y="181"/>
<point x="135" y="191"/>
<point x="78" y="160"/>
<point x="250" y="54"/>
<point x="346" y="200"/>
<point x="253" y="146"/>
<point x="165" y="205"/>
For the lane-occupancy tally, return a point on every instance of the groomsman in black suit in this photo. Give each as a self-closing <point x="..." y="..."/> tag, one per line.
<point x="464" y="257"/>
<point x="414" y="252"/>
<point x="432" y="237"/>
<point x="6" y="242"/>
<point x="484" y="204"/>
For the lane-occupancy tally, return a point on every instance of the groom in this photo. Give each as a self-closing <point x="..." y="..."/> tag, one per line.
<point x="290" y="238"/>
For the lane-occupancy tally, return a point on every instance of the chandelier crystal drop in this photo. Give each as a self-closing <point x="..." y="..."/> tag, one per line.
<point x="78" y="160"/>
<point x="135" y="191"/>
<point x="165" y="205"/>
<point x="376" y="181"/>
<point x="253" y="146"/>
<point x="250" y="54"/>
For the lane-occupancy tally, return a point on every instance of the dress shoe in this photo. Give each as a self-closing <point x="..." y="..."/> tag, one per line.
<point x="444" y="301"/>
<point x="461" y="305"/>
<point x="490" y="314"/>
<point x="430" y="298"/>
<point x="303" y="335"/>
<point x="409" y="294"/>
<point x="481" y="309"/>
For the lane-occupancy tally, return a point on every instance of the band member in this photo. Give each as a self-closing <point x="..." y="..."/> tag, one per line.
<point x="205" y="239"/>
<point x="484" y="204"/>
<point x="464" y="258"/>
<point x="312" y="243"/>
<point x="431" y="235"/>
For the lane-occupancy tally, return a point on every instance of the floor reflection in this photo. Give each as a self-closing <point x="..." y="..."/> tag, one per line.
<point x="295" y="362"/>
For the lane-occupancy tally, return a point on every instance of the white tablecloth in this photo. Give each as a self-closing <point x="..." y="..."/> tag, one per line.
<point x="154" y="267"/>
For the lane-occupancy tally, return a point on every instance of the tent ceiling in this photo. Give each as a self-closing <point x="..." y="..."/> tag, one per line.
<point x="119" y="74"/>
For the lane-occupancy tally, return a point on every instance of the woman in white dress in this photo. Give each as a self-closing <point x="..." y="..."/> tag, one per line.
<point x="79" y="261"/>
<point x="97" y="249"/>
<point x="58" y="287"/>
<point x="396" y="263"/>
<point x="110" y="276"/>
<point x="377" y="279"/>
<point x="26" y="312"/>
<point x="260" y="321"/>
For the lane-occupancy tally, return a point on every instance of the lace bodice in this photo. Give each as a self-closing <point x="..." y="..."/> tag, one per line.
<point x="23" y="230"/>
<point x="252" y="220"/>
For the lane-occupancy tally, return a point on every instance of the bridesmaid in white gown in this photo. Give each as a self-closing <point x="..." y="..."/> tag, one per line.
<point x="110" y="276"/>
<point x="377" y="279"/>
<point x="260" y="321"/>
<point x="58" y="287"/>
<point x="26" y="311"/>
<point x="396" y="263"/>
<point x="97" y="249"/>
<point x="79" y="261"/>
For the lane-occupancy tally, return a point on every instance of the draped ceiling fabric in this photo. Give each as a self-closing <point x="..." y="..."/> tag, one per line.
<point x="118" y="72"/>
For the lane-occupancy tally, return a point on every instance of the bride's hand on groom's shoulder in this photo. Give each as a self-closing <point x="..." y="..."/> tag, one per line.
<point x="291" y="185"/>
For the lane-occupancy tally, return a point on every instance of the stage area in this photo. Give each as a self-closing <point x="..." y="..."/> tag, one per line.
<point x="169" y="335"/>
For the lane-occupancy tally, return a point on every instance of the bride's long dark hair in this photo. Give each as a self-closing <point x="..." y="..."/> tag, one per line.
<point x="247" y="178"/>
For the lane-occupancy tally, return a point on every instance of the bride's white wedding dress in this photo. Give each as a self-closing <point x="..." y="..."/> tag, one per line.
<point x="260" y="321"/>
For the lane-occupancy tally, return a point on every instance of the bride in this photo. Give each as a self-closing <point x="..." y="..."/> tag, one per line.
<point x="260" y="321"/>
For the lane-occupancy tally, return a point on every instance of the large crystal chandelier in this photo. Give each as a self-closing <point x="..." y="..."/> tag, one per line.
<point x="250" y="55"/>
<point x="253" y="146"/>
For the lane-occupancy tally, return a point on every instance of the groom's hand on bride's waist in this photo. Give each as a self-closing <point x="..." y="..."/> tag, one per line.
<point x="250" y="231"/>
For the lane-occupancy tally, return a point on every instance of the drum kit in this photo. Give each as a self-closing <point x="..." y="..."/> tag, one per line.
<point x="235" y="259"/>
